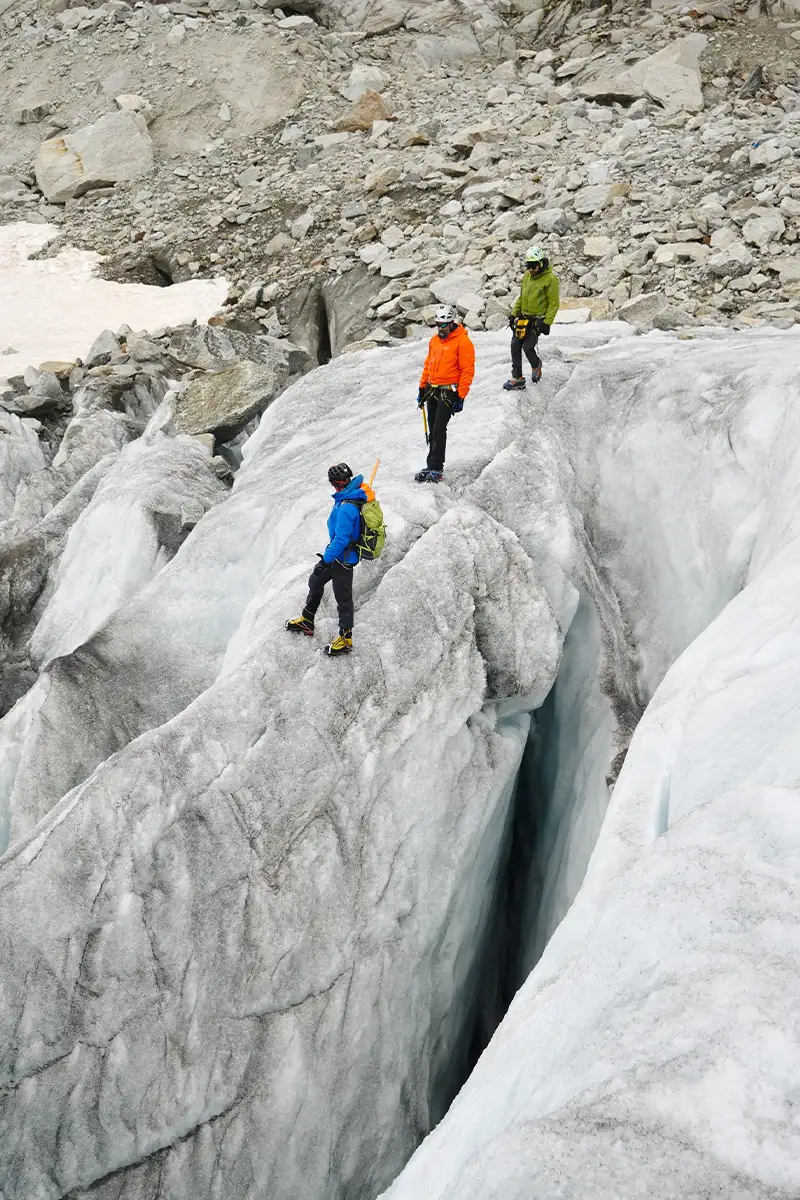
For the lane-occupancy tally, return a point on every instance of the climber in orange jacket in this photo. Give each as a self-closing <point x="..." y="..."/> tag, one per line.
<point x="445" y="382"/>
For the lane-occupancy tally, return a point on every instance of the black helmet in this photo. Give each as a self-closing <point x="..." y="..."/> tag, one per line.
<point x="340" y="473"/>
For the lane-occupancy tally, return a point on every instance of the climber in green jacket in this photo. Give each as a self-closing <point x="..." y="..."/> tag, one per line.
<point x="533" y="313"/>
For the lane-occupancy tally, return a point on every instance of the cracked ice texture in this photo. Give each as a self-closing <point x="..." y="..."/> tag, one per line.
<point x="261" y="901"/>
<point x="20" y="456"/>
<point x="240" y="949"/>
<point x="654" y="1050"/>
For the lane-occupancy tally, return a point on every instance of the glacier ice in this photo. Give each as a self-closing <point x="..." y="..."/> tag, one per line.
<point x="142" y="494"/>
<point x="20" y="456"/>
<point x="251" y="897"/>
<point x="653" y="1049"/>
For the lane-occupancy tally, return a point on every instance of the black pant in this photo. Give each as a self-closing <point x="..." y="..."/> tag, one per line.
<point x="528" y="344"/>
<point x="440" y="411"/>
<point x="342" y="580"/>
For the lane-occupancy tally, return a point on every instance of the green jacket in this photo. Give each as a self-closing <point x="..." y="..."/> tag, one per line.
<point x="538" y="296"/>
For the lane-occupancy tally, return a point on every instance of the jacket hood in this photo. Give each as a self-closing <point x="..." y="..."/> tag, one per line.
<point x="353" y="491"/>
<point x="542" y="274"/>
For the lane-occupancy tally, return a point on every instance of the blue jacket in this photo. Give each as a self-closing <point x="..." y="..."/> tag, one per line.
<point x="344" y="523"/>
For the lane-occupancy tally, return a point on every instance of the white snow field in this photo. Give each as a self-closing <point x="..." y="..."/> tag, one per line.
<point x="256" y="905"/>
<point x="52" y="309"/>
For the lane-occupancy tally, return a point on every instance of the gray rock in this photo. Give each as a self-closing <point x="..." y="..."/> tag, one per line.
<point x="278" y="244"/>
<point x="73" y="17"/>
<point x="11" y="190"/>
<point x="384" y="16"/>
<point x="33" y="113"/>
<point x="552" y="220"/>
<point x="395" y="268"/>
<point x="302" y="225"/>
<point x="142" y="349"/>
<point x="133" y="103"/>
<point x="192" y="511"/>
<point x="381" y="179"/>
<point x="730" y="261"/>
<point x="224" y="401"/>
<point x="593" y="199"/>
<point x="790" y="208"/>
<point x="364" y="77"/>
<point x="104" y="347"/>
<point x="461" y="288"/>
<point x="652" y="310"/>
<point x="788" y="270"/>
<point x="599" y="246"/>
<point x="765" y="228"/>
<point x="674" y="252"/>
<point x="114" y="149"/>
<point x="671" y="77"/>
<point x="210" y="347"/>
<point x="765" y="154"/>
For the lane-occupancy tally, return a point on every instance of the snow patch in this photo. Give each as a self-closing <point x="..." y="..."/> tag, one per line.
<point x="53" y="309"/>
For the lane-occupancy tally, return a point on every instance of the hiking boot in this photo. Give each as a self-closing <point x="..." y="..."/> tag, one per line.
<point x="302" y="624"/>
<point x="515" y="384"/>
<point x="536" y="374"/>
<point x="429" y="476"/>
<point x="343" y="644"/>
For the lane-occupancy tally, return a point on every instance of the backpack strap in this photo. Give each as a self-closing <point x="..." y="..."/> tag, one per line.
<point x="359" y="505"/>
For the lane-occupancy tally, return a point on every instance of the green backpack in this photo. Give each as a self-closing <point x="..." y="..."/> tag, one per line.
<point x="372" y="535"/>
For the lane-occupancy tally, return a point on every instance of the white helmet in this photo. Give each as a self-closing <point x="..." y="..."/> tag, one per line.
<point x="535" y="256"/>
<point x="445" y="315"/>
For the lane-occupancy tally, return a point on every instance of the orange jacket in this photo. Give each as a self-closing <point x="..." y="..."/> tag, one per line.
<point x="450" y="360"/>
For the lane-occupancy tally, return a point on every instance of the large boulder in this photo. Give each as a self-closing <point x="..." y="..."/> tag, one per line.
<point x="671" y="77"/>
<point x="764" y="227"/>
<point x="115" y="149"/>
<point x="211" y="347"/>
<point x="730" y="261"/>
<point x="12" y="191"/>
<point x="652" y="310"/>
<point x="222" y="402"/>
<point x="364" y="77"/>
<point x="358" y="118"/>
<point x="461" y="288"/>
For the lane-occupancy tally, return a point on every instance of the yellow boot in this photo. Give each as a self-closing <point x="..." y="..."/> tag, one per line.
<point x="343" y="644"/>
<point x="302" y="624"/>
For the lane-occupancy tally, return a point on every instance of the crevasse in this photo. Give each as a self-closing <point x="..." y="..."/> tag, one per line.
<point x="252" y="906"/>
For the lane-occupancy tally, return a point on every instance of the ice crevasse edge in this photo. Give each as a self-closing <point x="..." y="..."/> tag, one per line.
<point x="654" y="1050"/>
<point x="226" y="918"/>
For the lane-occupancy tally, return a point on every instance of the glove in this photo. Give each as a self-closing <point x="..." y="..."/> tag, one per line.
<point x="542" y="326"/>
<point x="421" y="396"/>
<point x="458" y="404"/>
<point x="512" y="320"/>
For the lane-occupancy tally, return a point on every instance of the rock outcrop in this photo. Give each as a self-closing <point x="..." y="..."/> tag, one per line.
<point x="116" y="149"/>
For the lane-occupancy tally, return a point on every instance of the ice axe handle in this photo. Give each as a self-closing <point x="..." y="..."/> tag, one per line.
<point x="374" y="472"/>
<point x="425" y="427"/>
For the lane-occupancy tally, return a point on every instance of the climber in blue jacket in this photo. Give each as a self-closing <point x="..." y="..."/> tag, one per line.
<point x="337" y="561"/>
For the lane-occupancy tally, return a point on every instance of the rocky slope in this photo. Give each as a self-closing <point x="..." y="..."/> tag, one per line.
<point x="336" y="158"/>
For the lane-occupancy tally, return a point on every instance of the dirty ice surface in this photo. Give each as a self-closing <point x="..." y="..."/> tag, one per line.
<point x="53" y="309"/>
